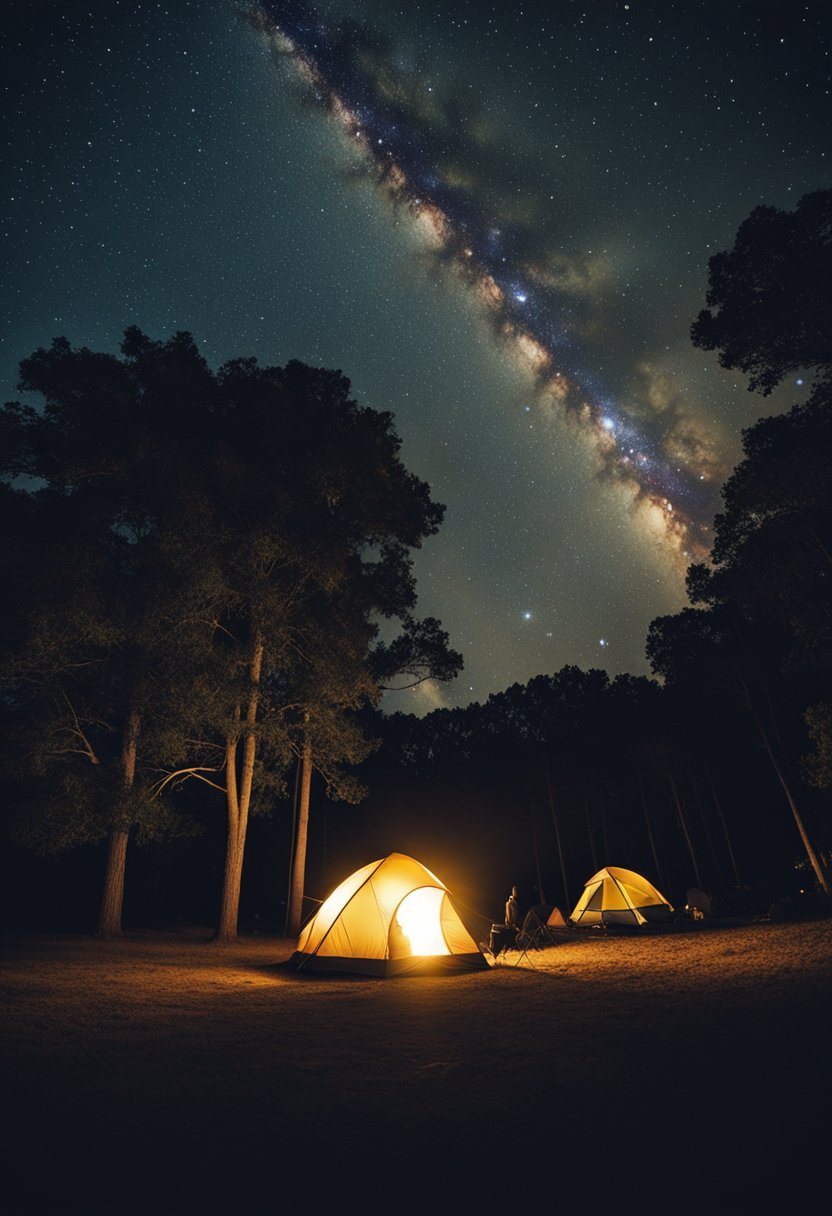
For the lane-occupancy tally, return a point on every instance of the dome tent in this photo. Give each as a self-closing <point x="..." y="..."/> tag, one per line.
<point x="615" y="896"/>
<point x="391" y="917"/>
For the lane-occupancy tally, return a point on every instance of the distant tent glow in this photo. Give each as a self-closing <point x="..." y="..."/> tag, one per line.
<point x="615" y="896"/>
<point x="359" y="927"/>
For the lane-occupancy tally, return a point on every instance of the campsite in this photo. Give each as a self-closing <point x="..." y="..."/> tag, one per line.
<point x="415" y="667"/>
<point x="673" y="1071"/>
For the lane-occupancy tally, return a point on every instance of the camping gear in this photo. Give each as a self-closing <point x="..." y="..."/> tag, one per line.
<point x="615" y="896"/>
<point x="502" y="938"/>
<point x="541" y="926"/>
<point x="700" y="902"/>
<point x="391" y="917"/>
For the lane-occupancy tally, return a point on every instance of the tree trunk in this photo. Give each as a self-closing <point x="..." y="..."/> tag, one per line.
<point x="294" y="835"/>
<point x="607" y="858"/>
<point x="728" y="842"/>
<point x="589" y="832"/>
<point x="684" y="826"/>
<point x="299" y="864"/>
<point x="541" y="897"/>
<point x="568" y="902"/>
<point x="814" y="860"/>
<point x="704" y="819"/>
<point x="650" y="835"/>
<point x="112" y="899"/>
<point x="238" y="800"/>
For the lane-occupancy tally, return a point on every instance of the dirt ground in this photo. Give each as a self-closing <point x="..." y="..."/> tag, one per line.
<point x="666" y="1073"/>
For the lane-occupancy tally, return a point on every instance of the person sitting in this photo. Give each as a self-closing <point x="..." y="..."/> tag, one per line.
<point x="514" y="920"/>
<point x="398" y="943"/>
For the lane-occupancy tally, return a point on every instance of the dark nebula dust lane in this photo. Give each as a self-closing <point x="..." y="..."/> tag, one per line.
<point x="668" y="471"/>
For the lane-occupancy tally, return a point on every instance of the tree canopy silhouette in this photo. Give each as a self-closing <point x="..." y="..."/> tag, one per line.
<point x="261" y="523"/>
<point x="769" y="298"/>
<point x="762" y="635"/>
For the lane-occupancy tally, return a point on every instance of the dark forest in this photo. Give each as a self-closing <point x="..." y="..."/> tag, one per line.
<point x="209" y="588"/>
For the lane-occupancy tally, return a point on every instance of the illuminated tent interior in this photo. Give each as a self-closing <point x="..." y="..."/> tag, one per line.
<point x="391" y="917"/>
<point x="615" y="896"/>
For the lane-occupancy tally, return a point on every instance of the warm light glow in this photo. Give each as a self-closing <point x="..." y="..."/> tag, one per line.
<point x="418" y="915"/>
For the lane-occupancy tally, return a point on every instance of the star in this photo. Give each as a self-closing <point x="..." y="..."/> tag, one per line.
<point x="623" y="408"/>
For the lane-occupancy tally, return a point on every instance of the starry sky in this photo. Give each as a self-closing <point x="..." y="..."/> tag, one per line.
<point x="494" y="217"/>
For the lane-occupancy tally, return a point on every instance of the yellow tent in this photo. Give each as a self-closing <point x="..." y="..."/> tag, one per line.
<point x="615" y="896"/>
<point x="391" y="917"/>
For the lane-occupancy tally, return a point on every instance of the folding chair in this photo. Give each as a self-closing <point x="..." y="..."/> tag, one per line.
<point x="536" y="932"/>
<point x="505" y="941"/>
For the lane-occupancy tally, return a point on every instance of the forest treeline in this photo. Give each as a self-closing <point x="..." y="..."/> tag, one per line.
<point x="717" y="773"/>
<point x="198" y="564"/>
<point x="196" y="567"/>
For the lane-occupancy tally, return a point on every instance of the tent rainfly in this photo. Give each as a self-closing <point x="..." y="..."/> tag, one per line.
<point x="615" y="896"/>
<point x="391" y="917"/>
<point x="547" y="915"/>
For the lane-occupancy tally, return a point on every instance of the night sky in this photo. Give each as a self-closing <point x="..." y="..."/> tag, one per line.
<point x="495" y="218"/>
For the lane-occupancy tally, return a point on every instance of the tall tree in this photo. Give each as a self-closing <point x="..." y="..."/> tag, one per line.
<point x="772" y="550"/>
<point x="89" y="467"/>
<point x="308" y="519"/>
<point x="261" y="521"/>
<point x="763" y="629"/>
<point x="769" y="304"/>
<point x="715" y="650"/>
<point x="330" y="735"/>
<point x="817" y="765"/>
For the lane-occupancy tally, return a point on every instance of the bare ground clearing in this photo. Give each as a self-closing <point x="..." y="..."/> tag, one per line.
<point x="685" y="1072"/>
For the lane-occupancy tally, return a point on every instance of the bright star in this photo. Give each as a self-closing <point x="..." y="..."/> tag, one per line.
<point x="527" y="616"/>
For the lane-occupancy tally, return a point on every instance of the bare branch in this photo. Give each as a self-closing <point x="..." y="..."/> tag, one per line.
<point x="73" y="751"/>
<point x="87" y="750"/>
<point x="183" y="774"/>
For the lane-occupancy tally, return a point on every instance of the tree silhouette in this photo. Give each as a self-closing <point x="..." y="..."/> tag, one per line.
<point x="772" y="550"/>
<point x="263" y="522"/>
<point x="761" y="636"/>
<point x="95" y="602"/>
<point x="770" y="297"/>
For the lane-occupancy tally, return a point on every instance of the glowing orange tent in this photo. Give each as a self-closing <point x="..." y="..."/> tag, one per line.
<point x="391" y="917"/>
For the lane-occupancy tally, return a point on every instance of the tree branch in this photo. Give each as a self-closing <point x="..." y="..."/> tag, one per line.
<point x="182" y="774"/>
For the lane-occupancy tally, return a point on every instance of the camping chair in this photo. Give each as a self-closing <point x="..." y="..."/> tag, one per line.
<point x="537" y="932"/>
<point x="533" y="934"/>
